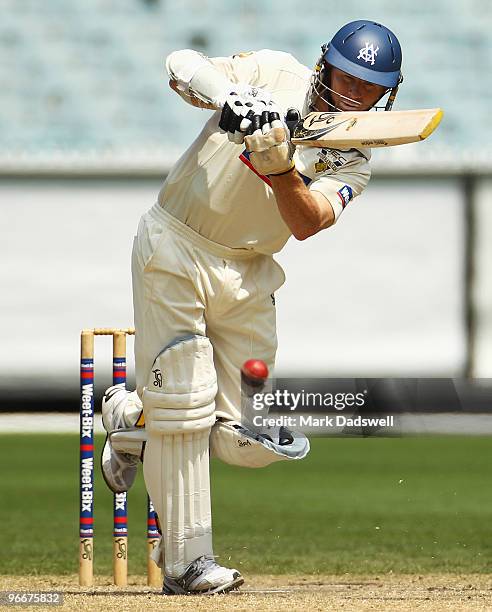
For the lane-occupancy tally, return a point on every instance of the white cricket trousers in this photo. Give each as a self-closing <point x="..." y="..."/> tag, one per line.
<point x="185" y="284"/>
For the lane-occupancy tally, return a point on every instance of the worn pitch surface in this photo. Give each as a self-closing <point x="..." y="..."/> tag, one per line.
<point x="288" y="592"/>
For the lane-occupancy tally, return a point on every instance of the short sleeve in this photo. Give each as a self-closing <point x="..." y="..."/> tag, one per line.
<point x="348" y="183"/>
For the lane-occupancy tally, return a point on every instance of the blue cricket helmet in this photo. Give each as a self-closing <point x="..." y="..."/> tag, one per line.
<point x="366" y="50"/>
<point x="363" y="49"/>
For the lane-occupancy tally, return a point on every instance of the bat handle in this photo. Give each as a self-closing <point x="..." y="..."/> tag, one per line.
<point x="292" y="118"/>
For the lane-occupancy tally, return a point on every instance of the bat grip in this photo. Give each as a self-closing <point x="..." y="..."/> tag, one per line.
<point x="292" y="118"/>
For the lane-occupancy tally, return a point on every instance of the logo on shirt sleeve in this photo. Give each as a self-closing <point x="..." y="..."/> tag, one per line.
<point x="345" y="194"/>
<point x="329" y="159"/>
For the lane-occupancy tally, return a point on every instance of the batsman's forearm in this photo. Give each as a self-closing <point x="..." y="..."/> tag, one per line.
<point x="303" y="212"/>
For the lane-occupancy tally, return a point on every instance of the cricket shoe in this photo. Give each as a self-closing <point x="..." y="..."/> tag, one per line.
<point x="118" y="468"/>
<point x="203" y="577"/>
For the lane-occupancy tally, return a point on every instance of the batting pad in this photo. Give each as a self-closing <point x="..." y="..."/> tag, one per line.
<point x="236" y="445"/>
<point x="179" y="407"/>
<point x="176" y="467"/>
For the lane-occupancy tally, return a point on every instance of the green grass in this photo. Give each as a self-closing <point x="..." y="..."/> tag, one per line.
<point x="354" y="505"/>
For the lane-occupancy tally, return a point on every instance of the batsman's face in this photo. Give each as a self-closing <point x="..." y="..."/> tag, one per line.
<point x="352" y="94"/>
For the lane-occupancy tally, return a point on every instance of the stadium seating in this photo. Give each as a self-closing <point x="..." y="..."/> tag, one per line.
<point x="89" y="75"/>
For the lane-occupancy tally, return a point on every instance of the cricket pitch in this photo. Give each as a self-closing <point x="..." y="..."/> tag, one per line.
<point x="287" y="592"/>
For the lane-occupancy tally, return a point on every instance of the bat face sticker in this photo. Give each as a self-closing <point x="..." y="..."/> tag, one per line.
<point x="318" y="124"/>
<point x="360" y="129"/>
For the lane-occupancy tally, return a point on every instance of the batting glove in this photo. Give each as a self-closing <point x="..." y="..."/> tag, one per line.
<point x="239" y="107"/>
<point x="269" y="144"/>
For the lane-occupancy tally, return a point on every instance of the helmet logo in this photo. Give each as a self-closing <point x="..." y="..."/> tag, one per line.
<point x="368" y="53"/>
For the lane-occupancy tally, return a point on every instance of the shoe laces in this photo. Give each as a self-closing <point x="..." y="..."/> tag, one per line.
<point x="197" y="567"/>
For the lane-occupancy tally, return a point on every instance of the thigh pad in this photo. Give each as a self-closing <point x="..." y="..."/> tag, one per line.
<point x="181" y="388"/>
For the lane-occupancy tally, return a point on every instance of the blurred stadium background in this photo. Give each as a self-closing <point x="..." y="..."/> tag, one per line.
<point x="89" y="129"/>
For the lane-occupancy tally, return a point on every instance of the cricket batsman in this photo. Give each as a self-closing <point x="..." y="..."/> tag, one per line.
<point x="204" y="275"/>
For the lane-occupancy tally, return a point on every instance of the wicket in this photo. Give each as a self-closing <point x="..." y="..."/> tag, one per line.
<point x="120" y="512"/>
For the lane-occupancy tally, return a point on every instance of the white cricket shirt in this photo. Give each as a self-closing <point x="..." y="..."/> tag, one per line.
<point x="213" y="188"/>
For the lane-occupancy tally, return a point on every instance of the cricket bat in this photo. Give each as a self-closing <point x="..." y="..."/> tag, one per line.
<point x="358" y="129"/>
<point x="365" y="128"/>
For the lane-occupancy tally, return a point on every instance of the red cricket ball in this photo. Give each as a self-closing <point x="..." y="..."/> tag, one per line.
<point x="255" y="369"/>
